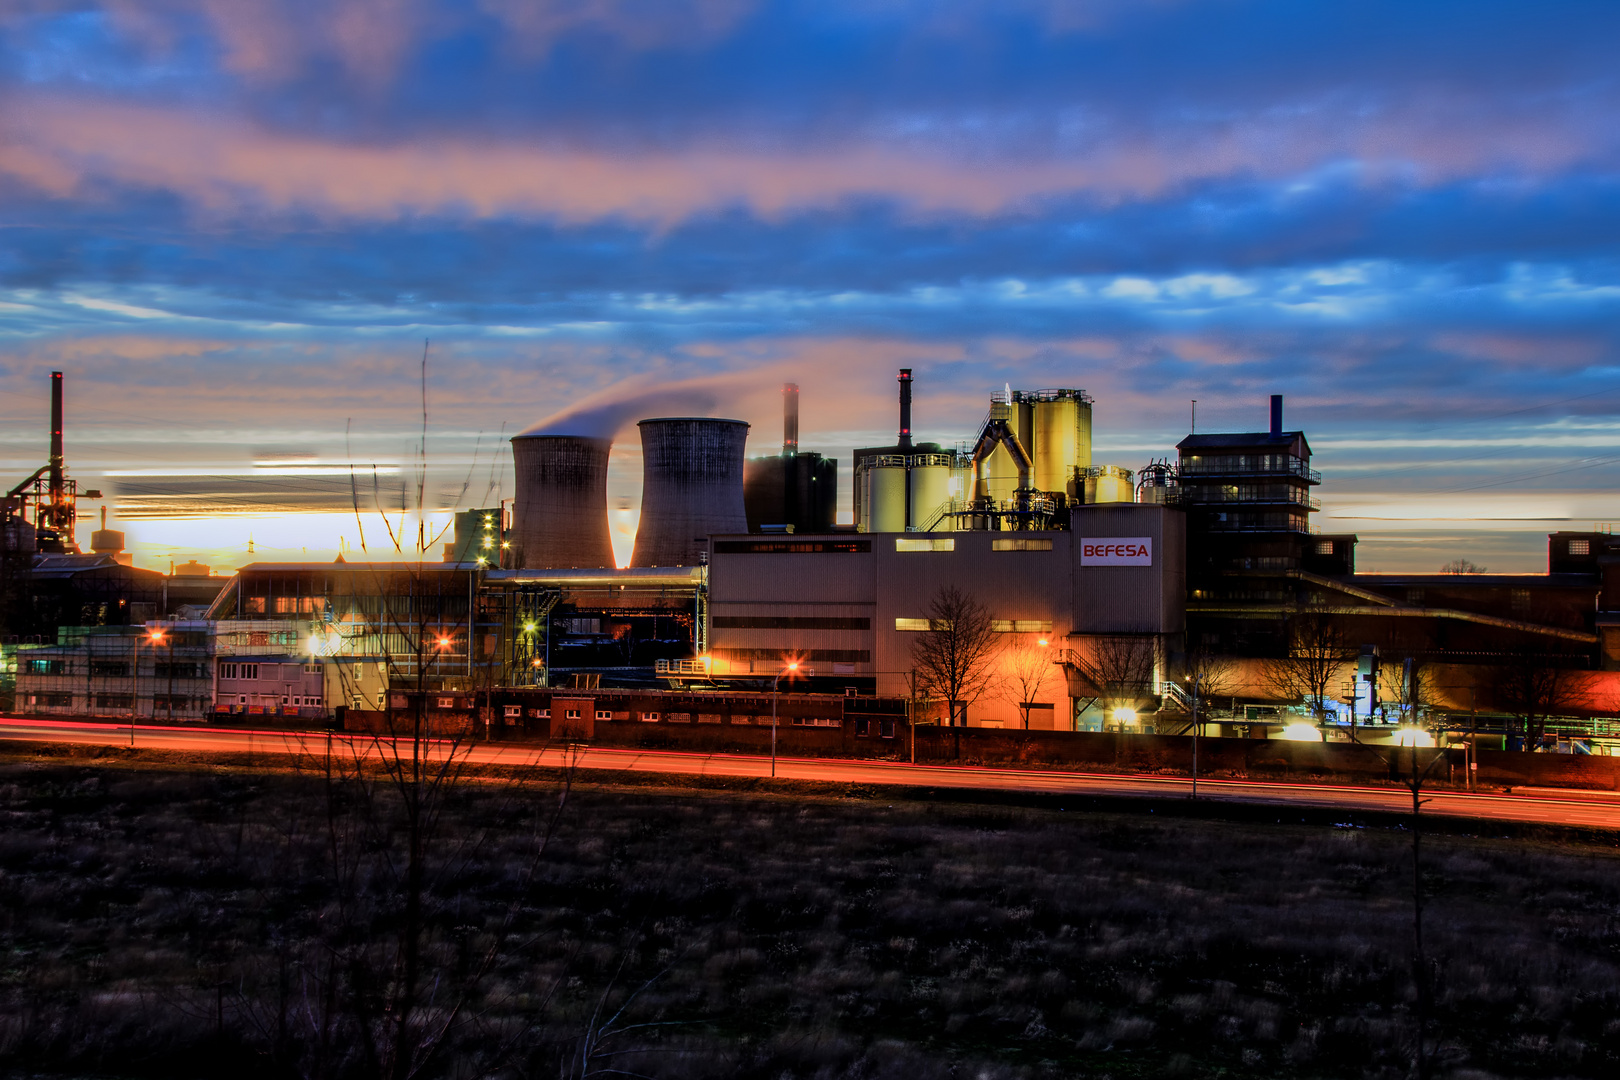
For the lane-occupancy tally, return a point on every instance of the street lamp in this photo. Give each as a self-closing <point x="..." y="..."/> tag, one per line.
<point x="792" y="666"/>
<point x="1194" y="679"/>
<point x="155" y="636"/>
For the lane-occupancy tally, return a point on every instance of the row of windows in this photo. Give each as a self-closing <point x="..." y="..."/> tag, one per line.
<point x="764" y="720"/>
<point x="999" y="626"/>
<point x="826" y="656"/>
<point x="791" y="547"/>
<point x="790" y="622"/>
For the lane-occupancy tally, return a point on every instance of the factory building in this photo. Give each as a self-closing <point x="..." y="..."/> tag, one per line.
<point x="793" y="491"/>
<point x="848" y="608"/>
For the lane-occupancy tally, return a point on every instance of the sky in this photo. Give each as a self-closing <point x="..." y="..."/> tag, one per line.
<point x="258" y="235"/>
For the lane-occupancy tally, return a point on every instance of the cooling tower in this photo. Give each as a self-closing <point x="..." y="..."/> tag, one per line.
<point x="560" y="516"/>
<point x="692" y="488"/>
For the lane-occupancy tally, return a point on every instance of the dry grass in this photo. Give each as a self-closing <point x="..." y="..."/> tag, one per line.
<point x="154" y="922"/>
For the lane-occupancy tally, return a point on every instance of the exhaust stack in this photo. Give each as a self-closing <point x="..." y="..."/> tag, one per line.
<point x="905" y="406"/>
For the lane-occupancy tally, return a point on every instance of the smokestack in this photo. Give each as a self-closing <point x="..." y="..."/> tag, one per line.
<point x="905" y="406"/>
<point x="691" y="488"/>
<point x="56" y="438"/>
<point x="560" y="516"/>
<point x="1276" y="415"/>
<point x="790" y="419"/>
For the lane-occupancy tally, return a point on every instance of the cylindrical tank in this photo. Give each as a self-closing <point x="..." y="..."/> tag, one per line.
<point x="1109" y="484"/>
<point x="886" y="497"/>
<point x="930" y="490"/>
<point x="692" y="487"/>
<point x="559" y="516"/>
<point x="1055" y="450"/>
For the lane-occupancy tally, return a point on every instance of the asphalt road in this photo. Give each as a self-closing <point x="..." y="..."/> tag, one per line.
<point x="1593" y="810"/>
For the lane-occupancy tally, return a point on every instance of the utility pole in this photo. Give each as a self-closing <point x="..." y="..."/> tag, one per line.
<point x="1195" y="694"/>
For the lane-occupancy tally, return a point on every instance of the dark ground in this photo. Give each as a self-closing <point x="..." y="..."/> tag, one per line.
<point x="159" y="921"/>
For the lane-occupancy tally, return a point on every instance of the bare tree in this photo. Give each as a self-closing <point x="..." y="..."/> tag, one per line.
<point x="1532" y="688"/>
<point x="1119" y="669"/>
<point x="952" y="658"/>
<point x="1410" y="687"/>
<point x="1026" y="664"/>
<point x="1317" y="648"/>
<point x="1462" y="566"/>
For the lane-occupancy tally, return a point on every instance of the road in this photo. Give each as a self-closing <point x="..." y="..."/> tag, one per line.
<point x="1591" y="810"/>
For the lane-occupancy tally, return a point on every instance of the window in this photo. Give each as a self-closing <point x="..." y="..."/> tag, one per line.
<point x="1021" y="626"/>
<point x="1414" y="596"/>
<point x="1020" y="545"/>
<point x="447" y="703"/>
<point x="382" y="698"/>
<point x="1324" y="547"/>
<point x="313" y="668"/>
<point x="112" y="668"/>
<point x="44" y="667"/>
<point x="1521" y="601"/>
<point x="573" y="714"/>
<point x="914" y="624"/>
<point x="241" y="699"/>
<point x="227" y="670"/>
<point x="604" y="714"/>
<point x="244" y="671"/>
<point x="359" y="701"/>
<point x="932" y="543"/>
<point x="512" y="711"/>
<point x="255" y="605"/>
<point x="1580" y="547"/>
<point x="649" y="718"/>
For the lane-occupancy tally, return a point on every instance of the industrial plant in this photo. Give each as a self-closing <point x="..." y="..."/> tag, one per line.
<point x="1180" y="594"/>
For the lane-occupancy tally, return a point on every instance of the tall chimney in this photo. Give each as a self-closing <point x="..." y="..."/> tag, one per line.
<point x="905" y="406"/>
<point x="1276" y="415"/>
<point x="56" y="438"/>
<point x="790" y="419"/>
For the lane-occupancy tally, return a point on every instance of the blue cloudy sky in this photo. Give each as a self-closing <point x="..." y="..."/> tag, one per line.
<point x="233" y="224"/>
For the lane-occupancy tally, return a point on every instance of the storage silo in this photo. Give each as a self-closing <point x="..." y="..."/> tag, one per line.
<point x="885" y="494"/>
<point x="692" y="487"/>
<point x="560" y="516"/>
<point x="930" y="491"/>
<point x="1062" y="440"/>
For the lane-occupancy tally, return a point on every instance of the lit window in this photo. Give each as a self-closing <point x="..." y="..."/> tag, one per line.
<point x="1021" y="626"/>
<point x="905" y="543"/>
<point x="1580" y="547"/>
<point x="447" y="703"/>
<point x="1020" y="545"/>
<point x="1324" y="547"/>
<point x="913" y="624"/>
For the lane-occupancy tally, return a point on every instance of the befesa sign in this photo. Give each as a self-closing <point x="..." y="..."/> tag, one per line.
<point x="1117" y="551"/>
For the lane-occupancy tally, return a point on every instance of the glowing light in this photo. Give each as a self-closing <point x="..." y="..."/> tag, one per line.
<point x="529" y="628"/>
<point x="1302" y="732"/>
<point x="156" y="636"/>
<point x="444" y="643"/>
<point x="1413" y="737"/>
<point x="793" y="665"/>
<point x="1125" y="716"/>
<point x="1042" y="643"/>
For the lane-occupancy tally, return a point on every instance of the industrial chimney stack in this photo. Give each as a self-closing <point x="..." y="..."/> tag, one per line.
<point x="1276" y="416"/>
<point x="905" y="407"/>
<point x="790" y="419"/>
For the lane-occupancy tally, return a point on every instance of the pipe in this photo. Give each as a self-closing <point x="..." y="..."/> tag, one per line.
<point x="1276" y="416"/>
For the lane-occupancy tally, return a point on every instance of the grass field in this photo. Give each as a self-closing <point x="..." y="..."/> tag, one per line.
<point x="158" y="921"/>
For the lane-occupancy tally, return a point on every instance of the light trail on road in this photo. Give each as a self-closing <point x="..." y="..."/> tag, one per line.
<point x="1575" y="808"/>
